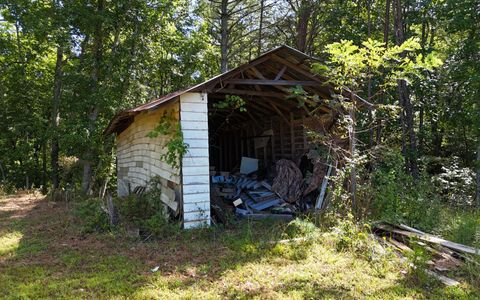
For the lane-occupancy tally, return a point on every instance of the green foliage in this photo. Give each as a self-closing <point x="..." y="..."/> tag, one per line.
<point x="350" y="66"/>
<point x="176" y="147"/>
<point x="232" y="102"/>
<point x="397" y="199"/>
<point x="91" y="216"/>
<point x="147" y="212"/>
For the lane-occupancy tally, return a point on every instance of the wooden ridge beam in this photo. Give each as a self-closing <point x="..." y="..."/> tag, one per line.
<point x="251" y="93"/>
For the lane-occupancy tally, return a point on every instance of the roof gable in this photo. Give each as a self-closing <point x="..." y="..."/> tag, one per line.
<point x="272" y="71"/>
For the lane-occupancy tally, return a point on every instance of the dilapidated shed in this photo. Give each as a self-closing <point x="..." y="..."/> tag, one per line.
<point x="272" y="126"/>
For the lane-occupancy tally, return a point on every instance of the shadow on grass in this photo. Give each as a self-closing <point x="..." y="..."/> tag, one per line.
<point x="47" y="256"/>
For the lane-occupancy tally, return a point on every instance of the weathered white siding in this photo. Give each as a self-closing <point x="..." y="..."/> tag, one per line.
<point x="138" y="156"/>
<point x="195" y="164"/>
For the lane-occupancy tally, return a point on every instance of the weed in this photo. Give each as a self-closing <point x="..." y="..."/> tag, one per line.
<point x="91" y="215"/>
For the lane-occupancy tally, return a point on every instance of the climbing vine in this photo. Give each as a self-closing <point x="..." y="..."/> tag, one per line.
<point x="176" y="147"/>
<point x="232" y="101"/>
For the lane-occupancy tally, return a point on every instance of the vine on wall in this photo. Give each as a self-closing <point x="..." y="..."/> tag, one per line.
<point x="176" y="147"/>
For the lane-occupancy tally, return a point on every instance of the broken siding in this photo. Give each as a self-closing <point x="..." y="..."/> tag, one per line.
<point x="138" y="156"/>
<point x="195" y="163"/>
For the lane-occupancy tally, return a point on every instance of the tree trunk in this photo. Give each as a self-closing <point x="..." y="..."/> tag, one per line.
<point x="260" y="28"/>
<point x="386" y="31"/>
<point x="369" y="87"/>
<point x="96" y="76"/>
<point x="304" y="12"/>
<point x="386" y="28"/>
<point x="404" y="97"/>
<point x="57" y="92"/>
<point x="478" y="174"/>
<point x="353" y="171"/>
<point x="224" y="36"/>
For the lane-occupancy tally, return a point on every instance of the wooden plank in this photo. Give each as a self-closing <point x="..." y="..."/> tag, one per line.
<point x="194" y="152"/>
<point x="199" y="215"/>
<point x="167" y="196"/>
<point x="433" y="239"/>
<point x="195" y="134"/>
<point x="252" y="93"/>
<point x="196" y="179"/>
<point x="194" y="98"/>
<point x="292" y="137"/>
<point x="280" y="73"/>
<point x="195" y="188"/>
<point x="445" y="280"/>
<point x="197" y="197"/>
<point x="272" y="82"/>
<point x="195" y="161"/>
<point x="196" y="206"/>
<point x="194" y="116"/>
<point x="194" y="143"/>
<point x="197" y="170"/>
<point x="194" y="107"/>
<point x="323" y="190"/>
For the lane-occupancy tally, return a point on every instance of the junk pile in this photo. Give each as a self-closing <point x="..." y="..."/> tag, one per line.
<point x="446" y="255"/>
<point x="279" y="195"/>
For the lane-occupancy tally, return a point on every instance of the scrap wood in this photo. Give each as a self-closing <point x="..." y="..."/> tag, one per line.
<point x="321" y="196"/>
<point x="444" y="279"/>
<point x="403" y="226"/>
<point x="287" y="184"/>
<point x="318" y="174"/>
<point x="431" y="239"/>
<point x="283" y="217"/>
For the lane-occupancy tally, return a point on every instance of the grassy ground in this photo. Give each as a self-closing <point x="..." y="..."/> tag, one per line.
<point x="43" y="254"/>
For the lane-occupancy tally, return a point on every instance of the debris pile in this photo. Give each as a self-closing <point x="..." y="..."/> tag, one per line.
<point x="446" y="255"/>
<point x="251" y="198"/>
<point x="280" y="194"/>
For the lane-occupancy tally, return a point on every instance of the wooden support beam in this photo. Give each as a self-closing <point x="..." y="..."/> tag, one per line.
<point x="280" y="113"/>
<point x="297" y="68"/>
<point x="252" y="93"/>
<point x="251" y="117"/>
<point x="280" y="74"/>
<point x="292" y="137"/>
<point x="272" y="82"/>
<point x="233" y="74"/>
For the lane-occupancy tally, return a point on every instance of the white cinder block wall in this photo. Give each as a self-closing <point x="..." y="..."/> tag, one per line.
<point x="138" y="156"/>
<point x="195" y="163"/>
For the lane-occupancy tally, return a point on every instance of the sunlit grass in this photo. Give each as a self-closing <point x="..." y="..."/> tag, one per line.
<point x="41" y="257"/>
<point x="9" y="242"/>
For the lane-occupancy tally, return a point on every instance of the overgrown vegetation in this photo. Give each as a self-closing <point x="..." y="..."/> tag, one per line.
<point x="145" y="214"/>
<point x="44" y="257"/>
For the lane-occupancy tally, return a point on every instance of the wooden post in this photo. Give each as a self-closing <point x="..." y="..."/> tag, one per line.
<point x="272" y="140"/>
<point x="292" y="137"/>
<point x="281" y="140"/>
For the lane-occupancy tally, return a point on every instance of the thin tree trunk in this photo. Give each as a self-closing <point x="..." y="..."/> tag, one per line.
<point x="260" y="28"/>
<point x="353" y="171"/>
<point x="224" y="36"/>
<point x="57" y="92"/>
<point x="369" y="87"/>
<point x="386" y="31"/>
<point x="44" y="167"/>
<point x="478" y="174"/>
<point x="93" y="116"/>
<point x="404" y="96"/>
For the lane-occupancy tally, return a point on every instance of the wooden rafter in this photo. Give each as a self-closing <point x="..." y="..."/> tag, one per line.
<point x="280" y="73"/>
<point x="280" y="113"/>
<point x="272" y="82"/>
